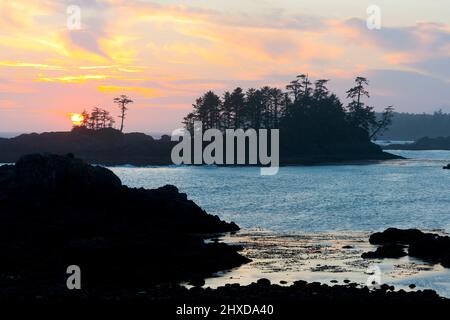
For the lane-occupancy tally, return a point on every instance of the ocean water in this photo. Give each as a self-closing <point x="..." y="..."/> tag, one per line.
<point x="296" y="224"/>
<point x="354" y="197"/>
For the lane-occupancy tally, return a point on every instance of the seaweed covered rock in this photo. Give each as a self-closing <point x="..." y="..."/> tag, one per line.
<point x="57" y="211"/>
<point x="426" y="246"/>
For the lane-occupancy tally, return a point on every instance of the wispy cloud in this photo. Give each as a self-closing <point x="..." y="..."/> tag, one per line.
<point x="165" y="55"/>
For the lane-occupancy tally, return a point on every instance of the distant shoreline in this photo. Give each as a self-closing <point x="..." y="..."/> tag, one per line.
<point x="111" y="147"/>
<point x="440" y="143"/>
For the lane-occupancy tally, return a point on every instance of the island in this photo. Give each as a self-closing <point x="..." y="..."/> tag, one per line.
<point x="313" y="125"/>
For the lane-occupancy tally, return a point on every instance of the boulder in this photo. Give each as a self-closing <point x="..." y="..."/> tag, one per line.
<point x="394" y="235"/>
<point x="433" y="248"/>
<point x="386" y="251"/>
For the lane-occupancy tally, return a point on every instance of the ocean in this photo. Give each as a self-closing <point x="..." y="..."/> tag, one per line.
<point x="408" y="193"/>
<point x="313" y="222"/>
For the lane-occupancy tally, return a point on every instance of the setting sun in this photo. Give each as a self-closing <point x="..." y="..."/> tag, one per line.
<point x="77" y="119"/>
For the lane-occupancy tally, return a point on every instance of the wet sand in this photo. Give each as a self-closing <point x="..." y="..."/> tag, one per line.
<point x="330" y="258"/>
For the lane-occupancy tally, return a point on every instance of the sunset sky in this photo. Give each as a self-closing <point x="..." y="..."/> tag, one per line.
<point x="164" y="54"/>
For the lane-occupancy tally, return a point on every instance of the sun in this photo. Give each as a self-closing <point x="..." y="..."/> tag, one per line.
<point x="77" y="119"/>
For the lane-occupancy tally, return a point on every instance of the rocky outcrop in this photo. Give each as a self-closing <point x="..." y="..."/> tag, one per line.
<point x="394" y="235"/>
<point x="57" y="211"/>
<point x="447" y="167"/>
<point x="426" y="246"/>
<point x="386" y="251"/>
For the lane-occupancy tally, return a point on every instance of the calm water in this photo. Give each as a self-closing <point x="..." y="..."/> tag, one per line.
<point x="401" y="193"/>
<point x="301" y="213"/>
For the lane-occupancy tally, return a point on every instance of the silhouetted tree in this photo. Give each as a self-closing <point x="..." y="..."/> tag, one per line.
<point x="359" y="114"/>
<point x="94" y="119"/>
<point x="254" y="108"/>
<point x="188" y="121"/>
<point x="383" y="123"/>
<point x="207" y="110"/>
<point x="226" y="116"/>
<point x="85" y="120"/>
<point x="98" y="119"/>
<point x="276" y="107"/>
<point x="306" y="114"/>
<point x="320" y="89"/>
<point x="237" y="101"/>
<point x="122" y="102"/>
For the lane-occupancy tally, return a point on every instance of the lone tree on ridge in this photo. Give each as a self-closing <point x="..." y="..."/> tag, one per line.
<point x="122" y="102"/>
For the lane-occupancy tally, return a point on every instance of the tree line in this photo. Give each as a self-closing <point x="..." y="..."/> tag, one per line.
<point x="410" y="126"/>
<point x="305" y="112"/>
<point x="100" y="118"/>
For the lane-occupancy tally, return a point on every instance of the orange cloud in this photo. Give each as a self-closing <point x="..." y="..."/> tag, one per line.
<point x="398" y="58"/>
<point x="30" y="65"/>
<point x="72" y="79"/>
<point x="146" y="92"/>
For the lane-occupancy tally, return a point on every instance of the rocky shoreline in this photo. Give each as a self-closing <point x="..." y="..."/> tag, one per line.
<point x="261" y="291"/>
<point x="393" y="243"/>
<point x="111" y="147"/>
<point x="137" y="245"/>
<point x="58" y="211"/>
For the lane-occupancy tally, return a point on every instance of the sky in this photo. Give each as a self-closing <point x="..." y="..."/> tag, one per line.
<point x="165" y="54"/>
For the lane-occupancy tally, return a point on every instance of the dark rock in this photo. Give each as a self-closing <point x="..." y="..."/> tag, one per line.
<point x="385" y="287"/>
<point x="412" y="286"/>
<point x="385" y="251"/>
<point x="394" y="235"/>
<point x="263" y="282"/>
<point x="347" y="247"/>
<point x="445" y="262"/>
<point x="283" y="282"/>
<point x="288" y="299"/>
<point x="433" y="247"/>
<point x="427" y="246"/>
<point x="299" y="284"/>
<point x="57" y="211"/>
<point x="50" y="175"/>
<point x="447" y="167"/>
<point x="197" y="282"/>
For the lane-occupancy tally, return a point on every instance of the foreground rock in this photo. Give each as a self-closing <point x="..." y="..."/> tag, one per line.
<point x="285" y="299"/>
<point x="447" y="167"/>
<point x="426" y="246"/>
<point x="58" y="211"/>
<point x="386" y="251"/>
